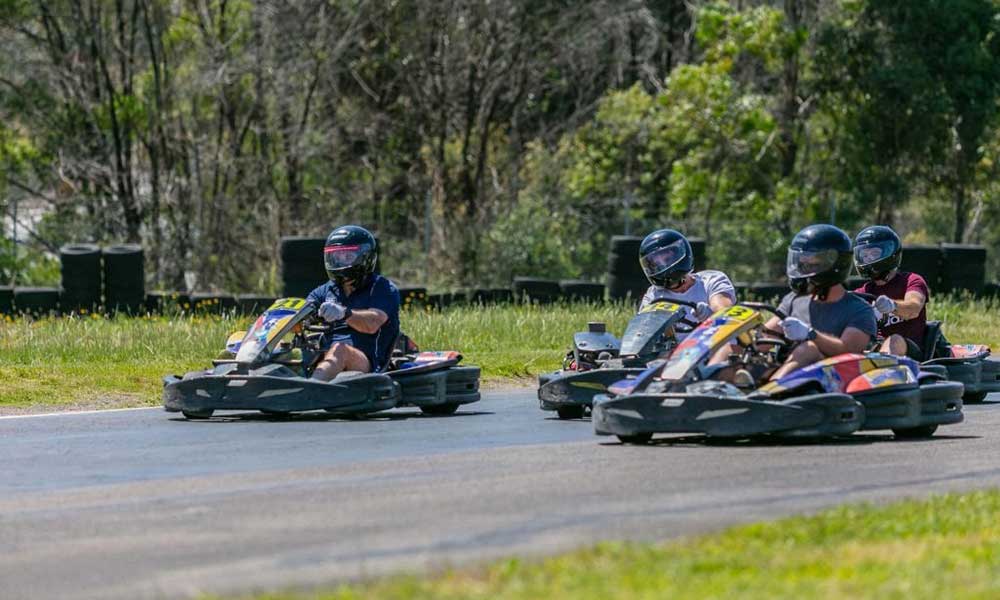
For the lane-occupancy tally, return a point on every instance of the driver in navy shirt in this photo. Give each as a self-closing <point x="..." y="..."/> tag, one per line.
<point x="365" y="303"/>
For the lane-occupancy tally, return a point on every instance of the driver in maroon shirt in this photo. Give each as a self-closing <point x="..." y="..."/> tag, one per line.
<point x="900" y="297"/>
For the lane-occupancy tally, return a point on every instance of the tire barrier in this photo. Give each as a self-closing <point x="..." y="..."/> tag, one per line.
<point x="80" y="270"/>
<point x="168" y="302"/>
<point x="252" y="304"/>
<point x="535" y="290"/>
<point x="124" y="278"/>
<point x="966" y="267"/>
<point x="208" y="303"/>
<point x="924" y="260"/>
<point x="302" y="268"/>
<point x="6" y="300"/>
<point x="699" y="249"/>
<point x="625" y="276"/>
<point x="768" y="291"/>
<point x="412" y="297"/>
<point x="581" y="291"/>
<point x="36" y="301"/>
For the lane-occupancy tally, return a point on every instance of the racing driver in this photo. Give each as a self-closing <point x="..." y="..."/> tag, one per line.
<point x="822" y="315"/>
<point x="365" y="302"/>
<point x="668" y="262"/>
<point x="900" y="297"/>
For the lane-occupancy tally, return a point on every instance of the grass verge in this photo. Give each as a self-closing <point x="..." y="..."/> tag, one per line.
<point x="95" y="362"/>
<point x="943" y="547"/>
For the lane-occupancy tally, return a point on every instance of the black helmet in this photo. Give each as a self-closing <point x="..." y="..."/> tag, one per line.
<point x="877" y="252"/>
<point x="666" y="258"/>
<point x="350" y="254"/>
<point x="819" y="258"/>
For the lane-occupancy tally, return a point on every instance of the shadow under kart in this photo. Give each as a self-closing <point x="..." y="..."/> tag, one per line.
<point x="599" y="359"/>
<point x="271" y="364"/>
<point x="834" y="397"/>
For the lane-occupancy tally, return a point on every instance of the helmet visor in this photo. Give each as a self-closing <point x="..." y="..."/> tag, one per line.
<point x="802" y="263"/>
<point x="663" y="259"/>
<point x="340" y="257"/>
<point x="871" y="253"/>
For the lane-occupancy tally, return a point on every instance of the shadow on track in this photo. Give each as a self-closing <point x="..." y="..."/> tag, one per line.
<point x="316" y="416"/>
<point x="690" y="441"/>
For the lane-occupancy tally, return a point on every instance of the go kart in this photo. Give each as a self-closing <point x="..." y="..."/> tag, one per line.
<point x="268" y="368"/>
<point x="970" y="364"/>
<point x="833" y="397"/>
<point x="598" y="359"/>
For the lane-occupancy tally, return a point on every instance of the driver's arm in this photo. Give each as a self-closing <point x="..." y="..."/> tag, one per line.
<point x="852" y="340"/>
<point x="773" y="325"/>
<point x="368" y="320"/>
<point x="720" y="301"/>
<point x="910" y="306"/>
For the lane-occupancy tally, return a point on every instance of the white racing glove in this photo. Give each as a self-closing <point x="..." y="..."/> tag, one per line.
<point x="796" y="330"/>
<point x="884" y="305"/>
<point x="331" y="311"/>
<point x="702" y="312"/>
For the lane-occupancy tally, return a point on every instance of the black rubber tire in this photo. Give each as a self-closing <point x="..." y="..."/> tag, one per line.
<point x="966" y="267"/>
<point x="302" y="267"/>
<point x="973" y="397"/>
<point x="252" y="304"/>
<point x="570" y="412"/>
<point x="80" y="275"/>
<point x="448" y="408"/>
<point x="582" y="291"/>
<point x="536" y="290"/>
<point x="124" y="278"/>
<point x="915" y="433"/>
<point x="6" y="300"/>
<point x="927" y="261"/>
<point x="197" y="416"/>
<point x="638" y="439"/>
<point x="36" y="301"/>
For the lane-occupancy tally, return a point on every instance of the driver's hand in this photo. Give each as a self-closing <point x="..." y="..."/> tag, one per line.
<point x="884" y="305"/>
<point x="797" y="330"/>
<point x="702" y="311"/>
<point x="331" y="311"/>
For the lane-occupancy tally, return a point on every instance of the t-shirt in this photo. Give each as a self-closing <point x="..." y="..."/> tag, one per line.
<point x="706" y="284"/>
<point x="896" y="288"/>
<point x="380" y="293"/>
<point x="831" y="318"/>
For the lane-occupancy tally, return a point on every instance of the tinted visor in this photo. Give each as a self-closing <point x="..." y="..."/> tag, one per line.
<point x="341" y="257"/>
<point x="807" y="264"/>
<point x="868" y="254"/>
<point x="663" y="259"/>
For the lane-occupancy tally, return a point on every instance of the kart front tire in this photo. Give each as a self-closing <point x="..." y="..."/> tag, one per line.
<point x="638" y="439"/>
<point x="197" y="416"/>
<point x="570" y="412"/>
<point x="448" y="408"/>
<point x="915" y="433"/>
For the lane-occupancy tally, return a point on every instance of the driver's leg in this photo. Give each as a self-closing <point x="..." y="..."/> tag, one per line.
<point x="339" y="358"/>
<point x="895" y="345"/>
<point x="804" y="355"/>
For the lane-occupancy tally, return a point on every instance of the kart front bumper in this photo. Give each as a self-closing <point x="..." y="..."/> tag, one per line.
<point x="563" y="389"/>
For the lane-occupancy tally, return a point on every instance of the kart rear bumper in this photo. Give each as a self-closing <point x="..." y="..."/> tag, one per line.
<point x="818" y="415"/>
<point x="980" y="375"/>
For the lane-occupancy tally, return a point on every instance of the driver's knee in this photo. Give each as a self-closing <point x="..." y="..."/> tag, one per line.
<point x="895" y="345"/>
<point x="806" y="353"/>
<point x="332" y="363"/>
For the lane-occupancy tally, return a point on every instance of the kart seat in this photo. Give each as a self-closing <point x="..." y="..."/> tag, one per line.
<point x="934" y="345"/>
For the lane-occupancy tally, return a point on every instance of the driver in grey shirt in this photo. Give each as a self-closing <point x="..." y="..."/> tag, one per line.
<point x="820" y="312"/>
<point x="668" y="262"/>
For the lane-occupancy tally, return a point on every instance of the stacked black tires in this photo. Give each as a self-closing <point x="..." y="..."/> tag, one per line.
<point x="82" y="278"/>
<point x="625" y="276"/>
<point x="302" y="268"/>
<point x="124" y="279"/>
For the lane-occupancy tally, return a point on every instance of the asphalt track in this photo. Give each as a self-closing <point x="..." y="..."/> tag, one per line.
<point x="141" y="504"/>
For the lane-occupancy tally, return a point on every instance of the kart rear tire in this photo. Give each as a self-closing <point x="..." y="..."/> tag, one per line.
<point x="638" y="439"/>
<point x="915" y="433"/>
<point x="974" y="397"/>
<point x="448" y="408"/>
<point x="570" y="412"/>
<point x="197" y="416"/>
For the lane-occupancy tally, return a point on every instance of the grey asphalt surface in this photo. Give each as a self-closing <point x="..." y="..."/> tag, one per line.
<point x="141" y="504"/>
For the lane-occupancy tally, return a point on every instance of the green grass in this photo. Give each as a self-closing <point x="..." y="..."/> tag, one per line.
<point x="944" y="547"/>
<point x="95" y="362"/>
